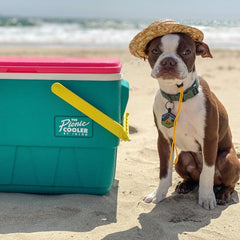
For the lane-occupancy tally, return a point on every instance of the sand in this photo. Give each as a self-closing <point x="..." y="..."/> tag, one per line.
<point x="121" y="214"/>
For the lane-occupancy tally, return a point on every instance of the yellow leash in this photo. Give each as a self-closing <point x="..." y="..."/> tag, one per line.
<point x="175" y="128"/>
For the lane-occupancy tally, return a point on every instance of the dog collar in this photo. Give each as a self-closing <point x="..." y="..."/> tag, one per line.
<point x="187" y="94"/>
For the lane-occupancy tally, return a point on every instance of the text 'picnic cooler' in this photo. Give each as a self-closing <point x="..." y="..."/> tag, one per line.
<point x="60" y="124"/>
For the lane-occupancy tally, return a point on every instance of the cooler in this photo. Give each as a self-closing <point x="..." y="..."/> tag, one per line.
<point x="47" y="143"/>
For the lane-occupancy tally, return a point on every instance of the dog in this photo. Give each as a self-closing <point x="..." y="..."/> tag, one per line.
<point x="203" y="135"/>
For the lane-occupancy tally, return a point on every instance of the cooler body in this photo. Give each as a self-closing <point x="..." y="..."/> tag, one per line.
<point x="48" y="146"/>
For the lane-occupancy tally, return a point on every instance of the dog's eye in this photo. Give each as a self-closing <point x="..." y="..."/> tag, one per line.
<point x="156" y="51"/>
<point x="187" y="52"/>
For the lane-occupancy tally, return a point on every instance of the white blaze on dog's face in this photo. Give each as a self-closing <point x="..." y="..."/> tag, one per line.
<point x="169" y="64"/>
<point x="172" y="57"/>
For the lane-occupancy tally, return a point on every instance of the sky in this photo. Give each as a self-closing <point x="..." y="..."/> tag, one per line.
<point x="123" y="9"/>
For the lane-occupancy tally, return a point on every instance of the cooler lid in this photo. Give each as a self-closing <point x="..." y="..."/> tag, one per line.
<point x="59" y="65"/>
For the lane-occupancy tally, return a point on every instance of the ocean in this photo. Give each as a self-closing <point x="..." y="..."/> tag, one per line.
<point x="102" y="33"/>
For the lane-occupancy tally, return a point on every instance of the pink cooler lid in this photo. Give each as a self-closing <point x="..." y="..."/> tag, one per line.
<point x="59" y="65"/>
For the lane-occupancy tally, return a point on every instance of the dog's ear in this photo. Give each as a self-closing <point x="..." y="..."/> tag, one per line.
<point x="203" y="49"/>
<point x="146" y="51"/>
<point x="146" y="54"/>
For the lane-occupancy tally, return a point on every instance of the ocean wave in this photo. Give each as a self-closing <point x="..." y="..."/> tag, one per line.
<point x="81" y="23"/>
<point x="103" y="32"/>
<point x="17" y="22"/>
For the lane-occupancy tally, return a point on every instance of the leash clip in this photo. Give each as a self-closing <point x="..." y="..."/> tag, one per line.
<point x="180" y="85"/>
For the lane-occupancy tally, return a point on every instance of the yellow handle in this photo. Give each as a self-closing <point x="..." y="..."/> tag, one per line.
<point x="77" y="102"/>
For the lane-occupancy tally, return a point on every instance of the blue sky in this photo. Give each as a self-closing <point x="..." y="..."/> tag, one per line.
<point x="123" y="9"/>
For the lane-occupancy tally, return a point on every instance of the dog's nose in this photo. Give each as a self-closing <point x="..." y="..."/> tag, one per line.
<point x="168" y="62"/>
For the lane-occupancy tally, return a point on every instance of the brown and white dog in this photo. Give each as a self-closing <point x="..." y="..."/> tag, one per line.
<point x="203" y="134"/>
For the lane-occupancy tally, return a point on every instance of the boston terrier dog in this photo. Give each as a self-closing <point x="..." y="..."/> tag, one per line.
<point x="203" y="135"/>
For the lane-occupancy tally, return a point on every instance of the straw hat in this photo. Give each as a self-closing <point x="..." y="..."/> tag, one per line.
<point x="159" y="28"/>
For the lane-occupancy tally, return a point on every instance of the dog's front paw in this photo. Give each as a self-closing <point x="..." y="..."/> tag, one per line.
<point x="154" y="197"/>
<point x="207" y="200"/>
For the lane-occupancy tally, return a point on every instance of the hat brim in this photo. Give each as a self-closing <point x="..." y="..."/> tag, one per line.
<point x="138" y="44"/>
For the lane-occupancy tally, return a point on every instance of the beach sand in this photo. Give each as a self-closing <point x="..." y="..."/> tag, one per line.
<point x="121" y="214"/>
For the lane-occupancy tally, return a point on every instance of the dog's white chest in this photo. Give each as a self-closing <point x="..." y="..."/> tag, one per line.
<point x="191" y="121"/>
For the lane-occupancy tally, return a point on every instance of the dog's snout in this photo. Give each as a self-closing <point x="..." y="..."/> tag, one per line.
<point x="168" y="62"/>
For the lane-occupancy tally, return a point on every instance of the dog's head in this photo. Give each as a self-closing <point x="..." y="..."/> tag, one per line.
<point x="172" y="56"/>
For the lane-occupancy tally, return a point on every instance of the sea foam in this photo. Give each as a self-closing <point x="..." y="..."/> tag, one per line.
<point x="102" y="33"/>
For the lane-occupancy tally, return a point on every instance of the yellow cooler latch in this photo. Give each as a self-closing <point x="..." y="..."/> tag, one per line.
<point x="99" y="117"/>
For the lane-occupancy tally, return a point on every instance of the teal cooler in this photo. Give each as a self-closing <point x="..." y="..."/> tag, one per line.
<point x="47" y="145"/>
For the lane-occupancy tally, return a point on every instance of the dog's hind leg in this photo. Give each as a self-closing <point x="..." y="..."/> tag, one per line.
<point x="226" y="175"/>
<point x="189" y="168"/>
